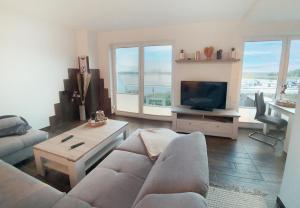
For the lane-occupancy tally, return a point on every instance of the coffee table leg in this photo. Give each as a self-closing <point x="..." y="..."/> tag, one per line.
<point x="76" y="173"/>
<point x="39" y="163"/>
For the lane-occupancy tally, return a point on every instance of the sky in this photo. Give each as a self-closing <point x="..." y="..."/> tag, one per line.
<point x="265" y="56"/>
<point x="156" y="59"/>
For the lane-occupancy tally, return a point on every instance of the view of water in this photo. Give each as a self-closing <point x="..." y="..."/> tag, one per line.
<point x="261" y="70"/>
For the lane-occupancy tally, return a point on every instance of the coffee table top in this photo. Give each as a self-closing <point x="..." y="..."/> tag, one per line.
<point x="91" y="136"/>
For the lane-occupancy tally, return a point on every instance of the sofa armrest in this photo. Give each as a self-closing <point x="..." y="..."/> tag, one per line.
<point x="177" y="200"/>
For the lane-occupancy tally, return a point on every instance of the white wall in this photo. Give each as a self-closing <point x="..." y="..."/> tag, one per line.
<point x="34" y="58"/>
<point x="86" y="45"/>
<point x="290" y="188"/>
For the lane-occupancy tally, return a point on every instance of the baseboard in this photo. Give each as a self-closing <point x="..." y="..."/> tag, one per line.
<point x="280" y="203"/>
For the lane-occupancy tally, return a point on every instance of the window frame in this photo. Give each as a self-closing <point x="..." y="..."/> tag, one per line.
<point x="140" y="46"/>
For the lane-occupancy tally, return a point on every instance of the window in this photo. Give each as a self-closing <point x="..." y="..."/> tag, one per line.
<point x="127" y="68"/>
<point x="143" y="80"/>
<point x="157" y="80"/>
<point x="293" y="73"/>
<point x="260" y="70"/>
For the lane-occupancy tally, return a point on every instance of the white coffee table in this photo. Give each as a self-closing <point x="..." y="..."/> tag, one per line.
<point x="98" y="141"/>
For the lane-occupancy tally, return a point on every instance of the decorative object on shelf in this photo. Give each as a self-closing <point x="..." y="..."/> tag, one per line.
<point x="97" y="119"/>
<point x="83" y="81"/>
<point x="75" y="96"/>
<point x="282" y="91"/>
<point x="283" y="102"/>
<point x="219" y="54"/>
<point x="197" y="56"/>
<point x="233" y="53"/>
<point x="208" y="51"/>
<point x="181" y="55"/>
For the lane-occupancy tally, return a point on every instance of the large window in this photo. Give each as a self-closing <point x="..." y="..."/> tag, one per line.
<point x="260" y="70"/>
<point x="263" y="71"/>
<point x="143" y="79"/>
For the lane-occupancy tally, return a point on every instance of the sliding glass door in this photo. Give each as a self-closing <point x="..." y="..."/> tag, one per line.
<point x="157" y="80"/>
<point x="143" y="80"/>
<point x="127" y="79"/>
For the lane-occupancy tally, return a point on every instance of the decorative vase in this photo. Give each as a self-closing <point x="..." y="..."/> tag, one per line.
<point x="181" y="55"/>
<point x="82" y="113"/>
<point x="197" y="56"/>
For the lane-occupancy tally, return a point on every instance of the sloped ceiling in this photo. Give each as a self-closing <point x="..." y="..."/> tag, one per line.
<point x="122" y="14"/>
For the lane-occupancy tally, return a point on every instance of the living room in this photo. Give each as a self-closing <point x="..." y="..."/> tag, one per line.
<point x="136" y="75"/>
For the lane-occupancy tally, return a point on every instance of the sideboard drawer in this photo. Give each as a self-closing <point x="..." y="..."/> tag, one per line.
<point x="206" y="127"/>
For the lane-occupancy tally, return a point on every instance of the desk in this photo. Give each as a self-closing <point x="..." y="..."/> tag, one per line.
<point x="289" y="112"/>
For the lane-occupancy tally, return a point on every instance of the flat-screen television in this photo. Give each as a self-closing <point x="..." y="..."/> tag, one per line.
<point x="204" y="95"/>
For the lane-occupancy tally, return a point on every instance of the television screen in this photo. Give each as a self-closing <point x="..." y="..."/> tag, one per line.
<point x="204" y="95"/>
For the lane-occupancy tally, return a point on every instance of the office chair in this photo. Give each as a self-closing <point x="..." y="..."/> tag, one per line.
<point x="260" y="115"/>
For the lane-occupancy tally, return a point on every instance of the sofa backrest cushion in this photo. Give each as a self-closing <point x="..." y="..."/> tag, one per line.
<point x="182" y="167"/>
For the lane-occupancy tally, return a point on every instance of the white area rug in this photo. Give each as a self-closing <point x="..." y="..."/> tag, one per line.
<point x="221" y="198"/>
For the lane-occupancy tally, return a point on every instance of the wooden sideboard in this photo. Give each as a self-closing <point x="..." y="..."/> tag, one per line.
<point x="221" y="123"/>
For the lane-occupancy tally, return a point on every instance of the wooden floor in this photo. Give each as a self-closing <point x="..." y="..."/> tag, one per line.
<point x="244" y="165"/>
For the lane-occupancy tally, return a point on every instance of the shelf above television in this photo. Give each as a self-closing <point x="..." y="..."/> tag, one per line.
<point x="207" y="61"/>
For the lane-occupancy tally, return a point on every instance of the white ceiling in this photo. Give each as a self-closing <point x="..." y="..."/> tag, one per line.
<point x="121" y="14"/>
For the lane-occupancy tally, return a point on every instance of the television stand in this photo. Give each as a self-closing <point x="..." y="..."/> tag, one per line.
<point x="221" y="123"/>
<point x="203" y="109"/>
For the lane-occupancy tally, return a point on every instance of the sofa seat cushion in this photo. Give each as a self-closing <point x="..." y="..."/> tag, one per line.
<point x="71" y="202"/>
<point x="182" y="167"/>
<point x="106" y="188"/>
<point x="115" y="182"/>
<point x="177" y="200"/>
<point x="12" y="144"/>
<point x="33" y="137"/>
<point x="128" y="162"/>
<point x="134" y="144"/>
<point x="19" y="190"/>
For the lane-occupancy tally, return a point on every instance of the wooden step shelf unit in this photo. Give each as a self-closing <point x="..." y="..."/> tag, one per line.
<point x="207" y="61"/>
<point x="67" y="111"/>
<point x="221" y="123"/>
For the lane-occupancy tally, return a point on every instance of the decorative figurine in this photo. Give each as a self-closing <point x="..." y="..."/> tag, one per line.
<point x="219" y="54"/>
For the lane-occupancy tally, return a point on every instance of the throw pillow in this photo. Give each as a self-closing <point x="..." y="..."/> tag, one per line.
<point x="13" y="125"/>
<point x="156" y="140"/>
